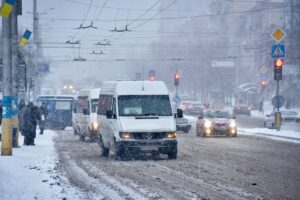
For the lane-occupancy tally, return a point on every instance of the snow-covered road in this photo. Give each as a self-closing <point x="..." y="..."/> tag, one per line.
<point x="212" y="168"/>
<point x="246" y="167"/>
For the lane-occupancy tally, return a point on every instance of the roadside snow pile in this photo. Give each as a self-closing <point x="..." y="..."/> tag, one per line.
<point x="283" y="135"/>
<point x="31" y="173"/>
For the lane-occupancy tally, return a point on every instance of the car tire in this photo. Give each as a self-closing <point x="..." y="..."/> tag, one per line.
<point x="203" y="135"/>
<point x="273" y="126"/>
<point x="104" y="152"/>
<point x="82" y="138"/>
<point x="75" y="132"/>
<point x="265" y="125"/>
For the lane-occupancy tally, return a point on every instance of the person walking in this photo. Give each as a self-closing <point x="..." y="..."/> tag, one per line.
<point x="43" y="112"/>
<point x="30" y="118"/>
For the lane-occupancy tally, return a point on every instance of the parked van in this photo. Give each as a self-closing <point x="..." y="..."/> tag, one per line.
<point x="86" y="124"/>
<point x="136" y="117"/>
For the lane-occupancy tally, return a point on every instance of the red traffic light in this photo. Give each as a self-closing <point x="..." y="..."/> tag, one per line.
<point x="177" y="76"/>
<point x="152" y="78"/>
<point x="278" y="63"/>
<point x="264" y="83"/>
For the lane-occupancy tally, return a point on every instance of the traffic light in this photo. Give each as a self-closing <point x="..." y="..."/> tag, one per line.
<point x="263" y="84"/>
<point x="176" y="79"/>
<point x="278" y="63"/>
<point x="152" y="75"/>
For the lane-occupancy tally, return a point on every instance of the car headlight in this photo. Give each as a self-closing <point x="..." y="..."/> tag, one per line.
<point x="125" y="135"/>
<point x="171" y="134"/>
<point x="94" y="125"/>
<point x="207" y="124"/>
<point x="232" y="124"/>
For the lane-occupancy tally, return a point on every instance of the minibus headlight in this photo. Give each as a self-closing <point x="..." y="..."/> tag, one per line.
<point x="95" y="125"/>
<point x="207" y="124"/>
<point x="232" y="124"/>
<point x="171" y="134"/>
<point x="125" y="135"/>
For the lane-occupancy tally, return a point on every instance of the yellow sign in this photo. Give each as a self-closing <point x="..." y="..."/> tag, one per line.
<point x="278" y="34"/>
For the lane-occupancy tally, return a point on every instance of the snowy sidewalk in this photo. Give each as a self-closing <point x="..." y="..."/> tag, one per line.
<point x="31" y="173"/>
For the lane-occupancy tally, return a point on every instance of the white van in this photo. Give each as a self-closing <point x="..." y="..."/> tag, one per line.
<point x="86" y="124"/>
<point x="136" y="117"/>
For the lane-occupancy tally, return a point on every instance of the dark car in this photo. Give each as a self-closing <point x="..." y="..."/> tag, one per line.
<point x="242" y="109"/>
<point x="216" y="123"/>
<point x="183" y="124"/>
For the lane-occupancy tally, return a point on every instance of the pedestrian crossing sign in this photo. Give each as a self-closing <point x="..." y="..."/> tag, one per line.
<point x="278" y="51"/>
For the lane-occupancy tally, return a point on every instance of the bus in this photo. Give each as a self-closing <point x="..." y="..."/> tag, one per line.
<point x="59" y="110"/>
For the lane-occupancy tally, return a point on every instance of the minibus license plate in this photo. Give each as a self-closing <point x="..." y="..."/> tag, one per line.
<point x="149" y="148"/>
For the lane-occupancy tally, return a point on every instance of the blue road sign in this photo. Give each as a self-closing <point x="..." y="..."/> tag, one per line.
<point x="177" y="100"/>
<point x="43" y="67"/>
<point x="263" y="76"/>
<point x="152" y="72"/>
<point x="278" y="51"/>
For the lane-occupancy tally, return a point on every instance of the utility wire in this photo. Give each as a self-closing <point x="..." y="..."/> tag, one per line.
<point x="83" y="20"/>
<point x="143" y="14"/>
<point x="146" y="21"/>
<point x="181" y="17"/>
<point x="101" y="10"/>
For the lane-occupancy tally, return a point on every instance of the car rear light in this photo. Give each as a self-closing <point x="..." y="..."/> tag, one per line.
<point x="249" y="108"/>
<point x="298" y="120"/>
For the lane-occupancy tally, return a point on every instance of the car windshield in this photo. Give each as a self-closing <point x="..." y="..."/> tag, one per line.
<point x="144" y="105"/>
<point x="217" y="114"/>
<point x="94" y="103"/>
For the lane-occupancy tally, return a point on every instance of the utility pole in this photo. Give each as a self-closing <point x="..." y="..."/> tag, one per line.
<point x="35" y="79"/>
<point x="6" y="147"/>
<point x="15" y="74"/>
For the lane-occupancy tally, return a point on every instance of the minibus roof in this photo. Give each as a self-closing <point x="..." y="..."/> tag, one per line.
<point x="136" y="87"/>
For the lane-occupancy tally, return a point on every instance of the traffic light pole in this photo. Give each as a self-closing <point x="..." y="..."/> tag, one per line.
<point x="277" y="94"/>
<point x="6" y="147"/>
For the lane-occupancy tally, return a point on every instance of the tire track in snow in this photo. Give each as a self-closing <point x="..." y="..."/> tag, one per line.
<point x="78" y="176"/>
<point x="129" y="192"/>
<point x="229" y="191"/>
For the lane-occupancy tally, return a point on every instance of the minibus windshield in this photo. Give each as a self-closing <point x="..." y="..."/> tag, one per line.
<point x="144" y="105"/>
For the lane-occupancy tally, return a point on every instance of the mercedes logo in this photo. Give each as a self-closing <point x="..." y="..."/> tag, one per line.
<point x="149" y="136"/>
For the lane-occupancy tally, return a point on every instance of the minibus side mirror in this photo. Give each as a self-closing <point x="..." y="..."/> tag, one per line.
<point x="109" y="114"/>
<point x="179" y="113"/>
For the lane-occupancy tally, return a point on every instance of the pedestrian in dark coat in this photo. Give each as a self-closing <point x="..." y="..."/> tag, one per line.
<point x="22" y="107"/>
<point x="29" y="121"/>
<point x="43" y="112"/>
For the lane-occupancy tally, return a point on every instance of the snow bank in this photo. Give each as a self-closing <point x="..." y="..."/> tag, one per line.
<point x="31" y="173"/>
<point x="282" y="135"/>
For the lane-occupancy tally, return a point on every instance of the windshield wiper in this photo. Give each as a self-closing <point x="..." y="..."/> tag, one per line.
<point x="150" y="114"/>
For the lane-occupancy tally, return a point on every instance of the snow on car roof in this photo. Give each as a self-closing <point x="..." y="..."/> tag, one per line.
<point x="136" y="87"/>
